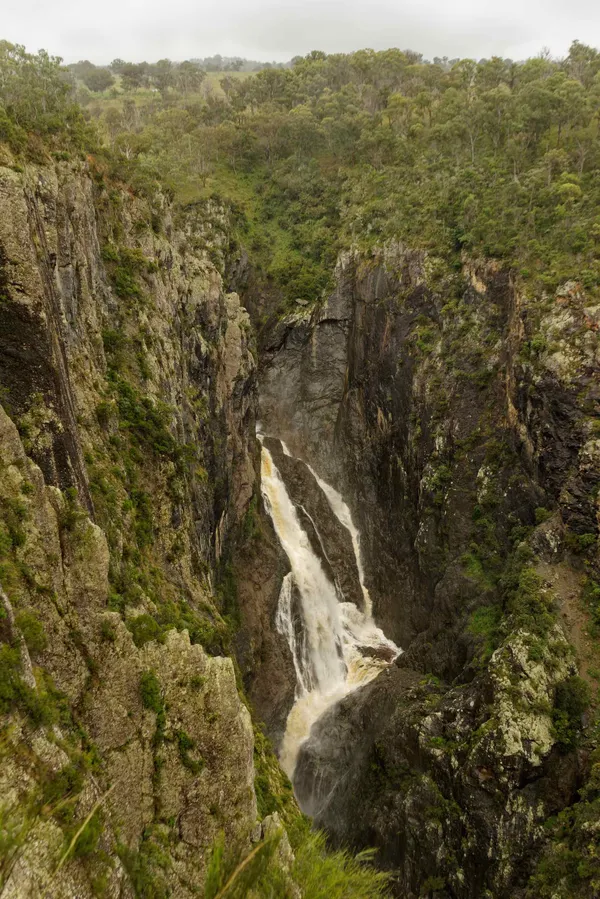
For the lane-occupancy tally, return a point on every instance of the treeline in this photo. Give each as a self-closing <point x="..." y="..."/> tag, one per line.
<point x="164" y="75"/>
<point x="218" y="63"/>
<point x="497" y="158"/>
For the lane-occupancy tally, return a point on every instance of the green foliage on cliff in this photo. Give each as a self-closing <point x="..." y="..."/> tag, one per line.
<point x="42" y="706"/>
<point x="570" y="704"/>
<point x="570" y="863"/>
<point x="37" y="101"/>
<point x="273" y="789"/>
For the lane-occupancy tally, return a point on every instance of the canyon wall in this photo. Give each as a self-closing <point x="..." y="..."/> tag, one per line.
<point x="127" y="447"/>
<point x="459" y="419"/>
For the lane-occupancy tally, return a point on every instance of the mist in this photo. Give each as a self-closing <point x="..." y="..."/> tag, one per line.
<point x="280" y="29"/>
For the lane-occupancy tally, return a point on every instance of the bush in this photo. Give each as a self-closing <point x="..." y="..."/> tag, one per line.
<point x="542" y="515"/>
<point x="14" y="692"/>
<point x="571" y="701"/>
<point x="531" y="605"/>
<point x="33" y="631"/>
<point x="151" y="692"/>
<point x="145" y="628"/>
<point x="485" y="623"/>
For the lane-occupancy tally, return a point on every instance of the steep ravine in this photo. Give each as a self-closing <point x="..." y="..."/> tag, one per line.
<point x="430" y="469"/>
<point x="458" y="417"/>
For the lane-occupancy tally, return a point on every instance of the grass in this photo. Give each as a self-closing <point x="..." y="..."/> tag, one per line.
<point x="316" y="870"/>
<point x="484" y="624"/>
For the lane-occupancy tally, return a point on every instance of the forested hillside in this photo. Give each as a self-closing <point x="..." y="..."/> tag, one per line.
<point x="497" y="158"/>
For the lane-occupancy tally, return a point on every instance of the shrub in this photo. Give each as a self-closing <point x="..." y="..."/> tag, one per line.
<point x="32" y="629"/>
<point x="542" y="515"/>
<point x="145" y="628"/>
<point x="151" y="692"/>
<point x="531" y="605"/>
<point x="36" y="704"/>
<point x="571" y="701"/>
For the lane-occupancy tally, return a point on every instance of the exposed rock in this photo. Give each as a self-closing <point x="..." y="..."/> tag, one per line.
<point x="446" y="781"/>
<point x="83" y="365"/>
<point x="453" y="415"/>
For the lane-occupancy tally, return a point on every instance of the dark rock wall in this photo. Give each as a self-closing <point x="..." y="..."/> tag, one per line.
<point x="447" y="408"/>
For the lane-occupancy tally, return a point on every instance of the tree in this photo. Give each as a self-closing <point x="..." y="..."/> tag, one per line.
<point x="189" y="77"/>
<point x="99" y="80"/>
<point x="163" y="75"/>
<point x="133" y="75"/>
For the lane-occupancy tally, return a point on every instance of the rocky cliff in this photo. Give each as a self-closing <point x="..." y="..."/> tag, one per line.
<point x="458" y="415"/>
<point x="127" y="448"/>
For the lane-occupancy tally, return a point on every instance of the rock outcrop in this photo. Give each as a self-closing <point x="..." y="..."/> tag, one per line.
<point x="127" y="475"/>
<point x="455" y="416"/>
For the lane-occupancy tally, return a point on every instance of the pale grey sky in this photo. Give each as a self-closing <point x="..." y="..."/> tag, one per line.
<point x="280" y="29"/>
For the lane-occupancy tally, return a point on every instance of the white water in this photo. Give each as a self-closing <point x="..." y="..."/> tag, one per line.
<point x="327" y="640"/>
<point x="342" y="513"/>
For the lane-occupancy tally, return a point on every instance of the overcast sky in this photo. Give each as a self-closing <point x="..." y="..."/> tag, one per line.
<point x="280" y="29"/>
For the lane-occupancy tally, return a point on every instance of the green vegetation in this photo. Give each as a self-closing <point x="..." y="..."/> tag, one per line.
<point x="37" y="102"/>
<point x="186" y="746"/>
<point x="151" y="692"/>
<point x="274" y="791"/>
<point x="52" y="795"/>
<point x="485" y="624"/>
<point x="32" y="629"/>
<point x="570" y="704"/>
<point x="496" y="157"/>
<point x="145" y="628"/>
<point x="41" y="706"/>
<point x="147" y="867"/>
<point x="570" y="864"/>
<point x="317" y="871"/>
<point x="530" y="604"/>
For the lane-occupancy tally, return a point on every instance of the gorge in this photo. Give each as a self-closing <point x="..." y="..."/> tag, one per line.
<point x="298" y="532"/>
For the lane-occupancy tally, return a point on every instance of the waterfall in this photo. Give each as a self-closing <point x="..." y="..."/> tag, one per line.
<point x="335" y="646"/>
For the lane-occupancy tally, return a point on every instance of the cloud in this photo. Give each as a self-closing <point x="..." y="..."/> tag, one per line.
<point x="280" y="29"/>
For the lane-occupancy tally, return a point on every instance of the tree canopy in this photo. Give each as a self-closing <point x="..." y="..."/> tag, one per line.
<point x="497" y="158"/>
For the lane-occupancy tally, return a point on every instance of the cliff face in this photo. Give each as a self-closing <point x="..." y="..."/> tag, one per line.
<point x="127" y="452"/>
<point x="456" y="415"/>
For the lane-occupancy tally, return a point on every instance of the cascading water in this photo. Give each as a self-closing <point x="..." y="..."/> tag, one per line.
<point x="335" y="646"/>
